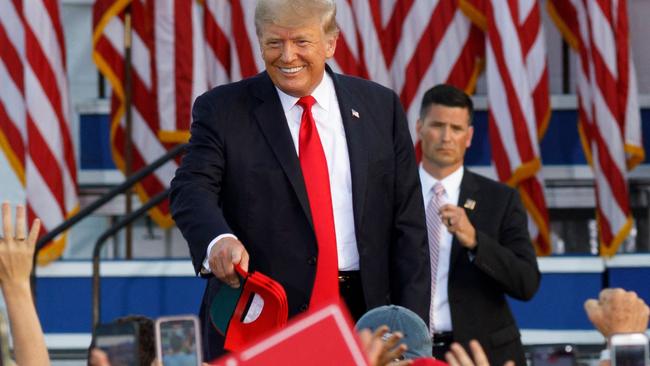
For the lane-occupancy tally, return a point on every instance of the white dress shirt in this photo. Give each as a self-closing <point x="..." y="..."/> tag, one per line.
<point x="451" y="183"/>
<point x="329" y="124"/>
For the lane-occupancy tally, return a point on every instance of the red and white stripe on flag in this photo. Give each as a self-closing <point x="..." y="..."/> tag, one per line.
<point x="35" y="112"/>
<point x="168" y="72"/>
<point x="179" y="61"/>
<point x="233" y="51"/>
<point x="518" y="100"/>
<point x="411" y="46"/>
<point x="608" y="110"/>
<point x="435" y="43"/>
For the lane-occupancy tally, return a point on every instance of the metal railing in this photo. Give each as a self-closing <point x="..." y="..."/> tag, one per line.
<point x="88" y="210"/>
<point x="99" y="244"/>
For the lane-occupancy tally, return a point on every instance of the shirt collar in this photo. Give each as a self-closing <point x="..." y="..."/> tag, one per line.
<point x="322" y="94"/>
<point x="451" y="182"/>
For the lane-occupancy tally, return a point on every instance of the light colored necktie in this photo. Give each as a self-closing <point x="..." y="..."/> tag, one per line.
<point x="434" y="233"/>
<point x="317" y="182"/>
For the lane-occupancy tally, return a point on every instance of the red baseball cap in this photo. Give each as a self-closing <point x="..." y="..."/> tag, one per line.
<point x="232" y="315"/>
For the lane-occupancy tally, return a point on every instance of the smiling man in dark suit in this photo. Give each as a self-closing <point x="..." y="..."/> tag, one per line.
<point x="478" y="237"/>
<point x="305" y="175"/>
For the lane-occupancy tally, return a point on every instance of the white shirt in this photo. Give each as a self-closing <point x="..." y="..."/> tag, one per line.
<point x="451" y="183"/>
<point x="329" y="124"/>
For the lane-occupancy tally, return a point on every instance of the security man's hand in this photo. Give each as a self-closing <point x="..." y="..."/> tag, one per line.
<point x="458" y="224"/>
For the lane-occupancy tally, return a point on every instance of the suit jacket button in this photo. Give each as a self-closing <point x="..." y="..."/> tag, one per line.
<point x="311" y="261"/>
<point x="303" y="308"/>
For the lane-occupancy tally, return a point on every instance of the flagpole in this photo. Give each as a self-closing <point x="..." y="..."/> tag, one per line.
<point x="128" y="144"/>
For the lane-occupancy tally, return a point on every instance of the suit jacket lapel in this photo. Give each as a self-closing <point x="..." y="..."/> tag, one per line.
<point x="273" y="123"/>
<point x="353" y="114"/>
<point x="468" y="190"/>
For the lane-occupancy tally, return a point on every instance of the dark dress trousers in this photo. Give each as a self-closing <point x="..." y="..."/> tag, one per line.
<point x="241" y="175"/>
<point x="504" y="264"/>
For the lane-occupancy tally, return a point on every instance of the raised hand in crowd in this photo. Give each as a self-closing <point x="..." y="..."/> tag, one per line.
<point x="618" y="311"/>
<point x="457" y="356"/>
<point x="381" y="347"/>
<point x="16" y="255"/>
<point x="16" y="248"/>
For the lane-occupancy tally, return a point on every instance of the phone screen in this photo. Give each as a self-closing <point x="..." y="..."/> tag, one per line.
<point x="553" y="355"/>
<point x="178" y="343"/>
<point x="120" y="343"/>
<point x="630" y="355"/>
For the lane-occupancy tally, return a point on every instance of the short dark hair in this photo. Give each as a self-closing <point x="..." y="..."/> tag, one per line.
<point x="448" y="96"/>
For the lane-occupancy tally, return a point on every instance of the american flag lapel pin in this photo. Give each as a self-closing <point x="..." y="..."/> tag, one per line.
<point x="355" y="114"/>
<point x="469" y="204"/>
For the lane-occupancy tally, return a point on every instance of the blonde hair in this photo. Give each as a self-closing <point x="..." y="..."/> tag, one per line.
<point x="293" y="13"/>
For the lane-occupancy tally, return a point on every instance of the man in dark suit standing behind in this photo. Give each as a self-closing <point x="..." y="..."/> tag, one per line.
<point x="478" y="237"/>
<point x="305" y="175"/>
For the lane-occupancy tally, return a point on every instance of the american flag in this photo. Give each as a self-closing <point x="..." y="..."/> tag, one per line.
<point x="168" y="73"/>
<point x="35" y="112"/>
<point x="608" y="110"/>
<point x="518" y="100"/>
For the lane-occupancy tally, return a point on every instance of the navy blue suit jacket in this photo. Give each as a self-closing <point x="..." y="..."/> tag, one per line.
<point x="241" y="175"/>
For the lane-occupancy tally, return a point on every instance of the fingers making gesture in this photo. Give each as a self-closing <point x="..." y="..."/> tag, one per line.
<point x="16" y="245"/>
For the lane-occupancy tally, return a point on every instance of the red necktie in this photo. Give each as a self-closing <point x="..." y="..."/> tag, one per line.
<point x="317" y="182"/>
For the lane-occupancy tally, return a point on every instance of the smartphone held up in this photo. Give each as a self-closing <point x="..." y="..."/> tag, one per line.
<point x="119" y="340"/>
<point x="178" y="341"/>
<point x="629" y="349"/>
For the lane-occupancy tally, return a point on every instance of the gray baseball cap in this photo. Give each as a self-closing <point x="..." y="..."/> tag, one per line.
<point x="398" y="318"/>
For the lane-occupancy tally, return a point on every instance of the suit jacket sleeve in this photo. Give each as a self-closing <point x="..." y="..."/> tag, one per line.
<point x="510" y="261"/>
<point x="195" y="189"/>
<point x="410" y="276"/>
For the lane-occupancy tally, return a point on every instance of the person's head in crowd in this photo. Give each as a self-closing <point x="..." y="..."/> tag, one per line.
<point x="618" y="311"/>
<point x="444" y="128"/>
<point x="296" y="37"/>
<point x="146" y="341"/>
<point x="413" y="330"/>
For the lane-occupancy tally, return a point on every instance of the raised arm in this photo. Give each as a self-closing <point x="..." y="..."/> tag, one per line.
<point x="16" y="254"/>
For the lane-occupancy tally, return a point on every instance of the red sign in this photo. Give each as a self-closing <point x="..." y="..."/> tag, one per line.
<point x="324" y="337"/>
